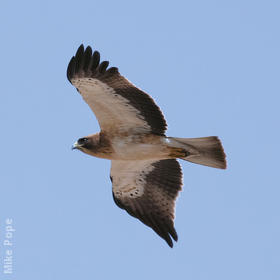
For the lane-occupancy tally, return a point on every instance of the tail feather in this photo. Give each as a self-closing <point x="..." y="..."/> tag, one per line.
<point x="205" y="151"/>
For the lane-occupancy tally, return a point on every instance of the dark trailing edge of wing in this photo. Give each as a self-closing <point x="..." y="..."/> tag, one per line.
<point x="87" y="64"/>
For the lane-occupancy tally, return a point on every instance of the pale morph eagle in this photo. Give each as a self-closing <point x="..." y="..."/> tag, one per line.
<point x="145" y="173"/>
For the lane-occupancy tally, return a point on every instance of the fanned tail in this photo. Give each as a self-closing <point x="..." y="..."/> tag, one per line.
<point x="205" y="151"/>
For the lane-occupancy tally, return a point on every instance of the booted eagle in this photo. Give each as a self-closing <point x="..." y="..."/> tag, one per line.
<point x="145" y="173"/>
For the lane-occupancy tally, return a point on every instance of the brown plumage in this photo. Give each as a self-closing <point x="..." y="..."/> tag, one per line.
<point x="145" y="174"/>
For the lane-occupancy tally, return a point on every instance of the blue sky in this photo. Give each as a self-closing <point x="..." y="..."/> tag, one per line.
<point x="212" y="67"/>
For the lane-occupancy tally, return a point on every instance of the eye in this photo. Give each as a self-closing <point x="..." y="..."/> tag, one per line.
<point x="82" y="141"/>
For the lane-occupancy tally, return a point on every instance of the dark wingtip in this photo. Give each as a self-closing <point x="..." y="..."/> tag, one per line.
<point x="113" y="70"/>
<point x="79" y="57"/>
<point x="87" y="58"/>
<point x="88" y="49"/>
<point x="71" y="69"/>
<point x="173" y="233"/>
<point x="80" y="50"/>
<point x="170" y="243"/>
<point x="103" y="66"/>
<point x="85" y="63"/>
<point x="95" y="60"/>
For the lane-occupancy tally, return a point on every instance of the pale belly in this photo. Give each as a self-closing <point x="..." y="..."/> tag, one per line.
<point x="140" y="148"/>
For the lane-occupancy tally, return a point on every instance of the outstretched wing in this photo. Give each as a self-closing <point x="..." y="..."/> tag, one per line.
<point x="118" y="105"/>
<point x="147" y="190"/>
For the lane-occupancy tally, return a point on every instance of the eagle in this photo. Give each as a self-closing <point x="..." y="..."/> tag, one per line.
<point x="145" y="173"/>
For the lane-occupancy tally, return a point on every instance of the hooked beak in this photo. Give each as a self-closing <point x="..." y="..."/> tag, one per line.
<point x="75" y="146"/>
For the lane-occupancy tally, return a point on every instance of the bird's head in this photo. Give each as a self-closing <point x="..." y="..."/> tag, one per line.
<point x="88" y="144"/>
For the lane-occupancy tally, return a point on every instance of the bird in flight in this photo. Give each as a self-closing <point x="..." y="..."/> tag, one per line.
<point x="145" y="173"/>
